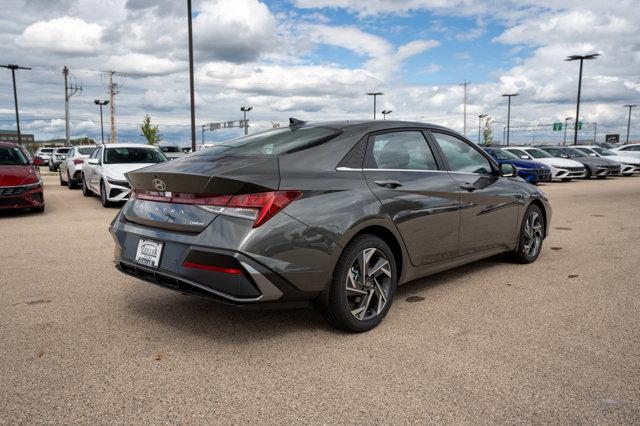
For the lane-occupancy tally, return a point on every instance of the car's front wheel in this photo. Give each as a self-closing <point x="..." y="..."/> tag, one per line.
<point x="532" y="234"/>
<point x="85" y="189"/>
<point x="103" y="196"/>
<point x="363" y="285"/>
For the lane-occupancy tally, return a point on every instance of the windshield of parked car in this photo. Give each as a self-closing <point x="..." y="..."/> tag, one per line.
<point x="603" y="151"/>
<point x="271" y="142"/>
<point x="170" y="149"/>
<point x="85" y="150"/>
<point x="538" y="153"/>
<point x="12" y="157"/>
<point x="133" y="155"/>
<point x="586" y="151"/>
<point x="574" y="153"/>
<point x="501" y="154"/>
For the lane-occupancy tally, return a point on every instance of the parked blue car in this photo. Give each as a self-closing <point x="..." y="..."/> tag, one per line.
<point x="531" y="171"/>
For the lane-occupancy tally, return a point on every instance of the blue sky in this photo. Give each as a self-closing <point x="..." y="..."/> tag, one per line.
<point x="315" y="59"/>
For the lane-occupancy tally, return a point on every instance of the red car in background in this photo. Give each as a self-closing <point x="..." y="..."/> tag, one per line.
<point x="20" y="182"/>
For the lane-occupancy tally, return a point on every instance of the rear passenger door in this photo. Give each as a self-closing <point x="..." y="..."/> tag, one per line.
<point x="421" y="199"/>
<point x="489" y="203"/>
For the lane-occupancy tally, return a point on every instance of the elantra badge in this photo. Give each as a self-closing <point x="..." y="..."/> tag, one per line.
<point x="159" y="184"/>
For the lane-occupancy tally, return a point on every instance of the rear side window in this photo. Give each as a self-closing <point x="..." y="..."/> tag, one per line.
<point x="271" y="142"/>
<point x="461" y="156"/>
<point x="402" y="150"/>
<point x="85" y="151"/>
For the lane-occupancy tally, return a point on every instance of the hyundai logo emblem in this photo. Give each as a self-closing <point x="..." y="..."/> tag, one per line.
<point x="159" y="184"/>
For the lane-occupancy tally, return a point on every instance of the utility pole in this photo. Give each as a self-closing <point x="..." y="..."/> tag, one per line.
<point x="113" y="90"/>
<point x="191" y="89"/>
<point x="465" y="84"/>
<point x="13" y="69"/>
<point x="509" y="96"/>
<point x="69" y="92"/>
<point x="629" y="120"/>
<point x="595" y="131"/>
<point x="375" y="95"/>
<point x="203" y="133"/>
<point x="480" y="117"/>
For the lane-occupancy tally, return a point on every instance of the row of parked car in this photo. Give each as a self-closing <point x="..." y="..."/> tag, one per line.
<point x="544" y="163"/>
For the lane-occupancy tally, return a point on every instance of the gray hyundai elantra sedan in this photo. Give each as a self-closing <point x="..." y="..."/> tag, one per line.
<point x="334" y="214"/>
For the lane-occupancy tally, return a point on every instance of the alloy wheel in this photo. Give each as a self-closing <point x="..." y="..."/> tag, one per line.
<point x="532" y="234"/>
<point x="368" y="282"/>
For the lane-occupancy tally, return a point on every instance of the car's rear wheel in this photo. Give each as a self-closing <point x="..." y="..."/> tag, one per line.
<point x="532" y="232"/>
<point x="363" y="285"/>
<point x="103" y="196"/>
<point x="62" y="183"/>
<point x="85" y="189"/>
<point x="70" y="182"/>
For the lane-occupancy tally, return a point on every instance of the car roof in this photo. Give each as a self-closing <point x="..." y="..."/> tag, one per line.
<point x="128" y="145"/>
<point x="374" y="125"/>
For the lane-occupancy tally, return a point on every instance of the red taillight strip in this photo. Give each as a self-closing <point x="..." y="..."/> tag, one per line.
<point x="212" y="268"/>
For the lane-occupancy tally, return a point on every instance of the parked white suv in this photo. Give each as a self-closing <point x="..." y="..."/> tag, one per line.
<point x="57" y="156"/>
<point x="44" y="154"/>
<point x="103" y="172"/>
<point x="561" y="168"/>
<point x="71" y="168"/>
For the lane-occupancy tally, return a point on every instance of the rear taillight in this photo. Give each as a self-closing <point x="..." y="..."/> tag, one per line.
<point x="76" y="162"/>
<point x="259" y="207"/>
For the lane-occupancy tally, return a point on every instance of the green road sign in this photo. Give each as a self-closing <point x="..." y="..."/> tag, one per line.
<point x="557" y="126"/>
<point x="579" y="125"/>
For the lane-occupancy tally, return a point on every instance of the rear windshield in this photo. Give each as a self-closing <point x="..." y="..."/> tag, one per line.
<point x="133" y="155"/>
<point x="62" y="150"/>
<point x="46" y="150"/>
<point x="271" y="142"/>
<point x="85" y="150"/>
<point x="502" y="154"/>
<point x="170" y="149"/>
<point x="12" y="157"/>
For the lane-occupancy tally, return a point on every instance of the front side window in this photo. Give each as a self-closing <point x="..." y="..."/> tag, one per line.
<point x="402" y="150"/>
<point x="501" y="154"/>
<point x="133" y="155"/>
<point x="574" y="152"/>
<point x="520" y="153"/>
<point x="556" y="152"/>
<point x="461" y="156"/>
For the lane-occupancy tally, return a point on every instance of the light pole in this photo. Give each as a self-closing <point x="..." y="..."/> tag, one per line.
<point x="375" y="95"/>
<point x="581" y="58"/>
<point x="101" y="104"/>
<point x="191" y="89"/>
<point x="509" y="96"/>
<point x="480" y="117"/>
<point x="13" y="69"/>
<point x="566" y="119"/>
<point x="629" y="120"/>
<point x="385" y="113"/>
<point x="244" y="112"/>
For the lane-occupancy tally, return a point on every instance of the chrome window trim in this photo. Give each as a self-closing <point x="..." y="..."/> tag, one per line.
<point x="349" y="169"/>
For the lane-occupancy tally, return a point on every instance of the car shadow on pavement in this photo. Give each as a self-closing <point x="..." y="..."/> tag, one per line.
<point x="193" y="315"/>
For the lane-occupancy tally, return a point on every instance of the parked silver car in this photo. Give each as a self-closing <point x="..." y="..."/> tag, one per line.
<point x="57" y="156"/>
<point x="71" y="168"/>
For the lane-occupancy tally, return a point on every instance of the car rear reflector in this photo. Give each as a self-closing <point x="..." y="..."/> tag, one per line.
<point x="193" y="265"/>
<point x="259" y="207"/>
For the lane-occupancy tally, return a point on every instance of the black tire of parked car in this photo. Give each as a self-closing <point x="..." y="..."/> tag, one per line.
<point x="62" y="183"/>
<point x="85" y="189"/>
<point x="566" y="179"/>
<point x="522" y="254"/>
<point x="71" y="183"/>
<point x="334" y="304"/>
<point x="103" y="196"/>
<point x="588" y="175"/>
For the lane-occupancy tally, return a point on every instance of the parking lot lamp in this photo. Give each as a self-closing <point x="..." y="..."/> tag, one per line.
<point x="566" y="119"/>
<point x="480" y="117"/>
<point x="385" y="113"/>
<point x="101" y="104"/>
<point x="244" y="113"/>
<point x="629" y="120"/>
<point x="580" y="58"/>
<point x="375" y="95"/>
<point x="509" y="96"/>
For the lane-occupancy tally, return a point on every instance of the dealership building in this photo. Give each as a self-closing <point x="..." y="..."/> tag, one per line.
<point x="12" y="136"/>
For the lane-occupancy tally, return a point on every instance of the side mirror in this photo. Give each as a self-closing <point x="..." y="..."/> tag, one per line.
<point x="38" y="162"/>
<point x="93" y="161"/>
<point x="508" y="170"/>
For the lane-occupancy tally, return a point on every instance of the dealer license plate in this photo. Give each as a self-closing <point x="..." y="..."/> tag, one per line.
<point x="149" y="252"/>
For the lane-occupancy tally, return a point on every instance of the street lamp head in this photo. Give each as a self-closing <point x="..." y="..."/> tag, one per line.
<point x="510" y="94"/>
<point x="374" y="93"/>
<point x="246" y="108"/>
<point x="568" y="118"/>
<point x="482" y="115"/>
<point x="387" y="111"/>
<point x="582" y="57"/>
<point x="630" y="106"/>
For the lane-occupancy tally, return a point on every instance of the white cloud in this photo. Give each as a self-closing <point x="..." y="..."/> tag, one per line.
<point x="66" y="35"/>
<point x="141" y="64"/>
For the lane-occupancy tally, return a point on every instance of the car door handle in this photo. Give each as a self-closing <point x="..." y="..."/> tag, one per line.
<point x="468" y="187"/>
<point x="391" y="184"/>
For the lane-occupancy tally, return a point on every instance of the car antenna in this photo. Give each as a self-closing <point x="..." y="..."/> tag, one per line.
<point x="294" y="122"/>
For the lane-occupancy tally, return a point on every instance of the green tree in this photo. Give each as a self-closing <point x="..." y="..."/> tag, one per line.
<point x="150" y="132"/>
<point x="487" y="132"/>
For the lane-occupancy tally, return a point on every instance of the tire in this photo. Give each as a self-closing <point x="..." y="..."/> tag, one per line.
<point x="103" y="196"/>
<point x="531" y="236"/>
<point x="37" y="209"/>
<point x="566" y="179"/>
<point x="70" y="182"/>
<point x="365" y="304"/>
<point x="85" y="189"/>
<point x="62" y="183"/>
<point x="588" y="175"/>
<point x="601" y="177"/>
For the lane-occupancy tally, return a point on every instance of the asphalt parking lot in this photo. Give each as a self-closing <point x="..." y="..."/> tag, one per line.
<point x="491" y="342"/>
